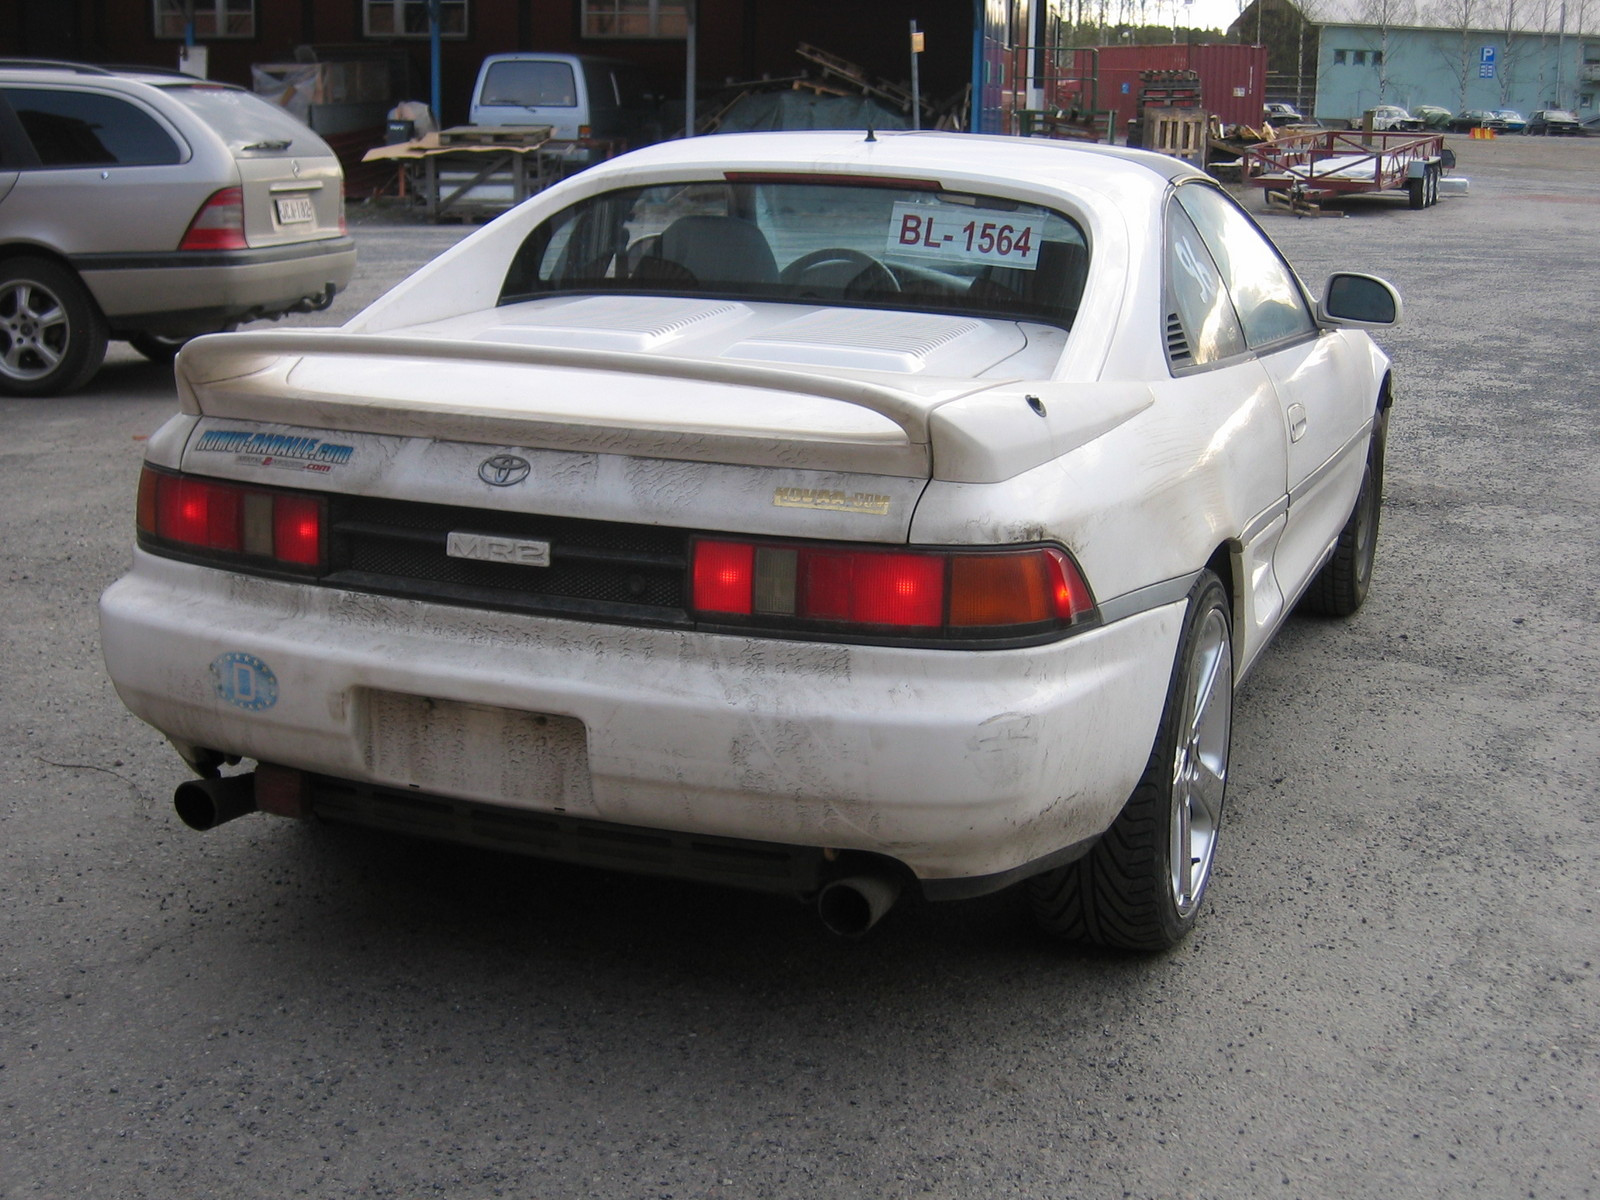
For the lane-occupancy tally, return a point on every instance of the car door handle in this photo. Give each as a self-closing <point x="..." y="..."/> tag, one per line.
<point x="1297" y="422"/>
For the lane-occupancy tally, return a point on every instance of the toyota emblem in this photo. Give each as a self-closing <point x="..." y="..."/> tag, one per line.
<point x="503" y="470"/>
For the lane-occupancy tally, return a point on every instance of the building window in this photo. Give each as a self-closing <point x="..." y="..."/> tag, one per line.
<point x="1377" y="58"/>
<point x="1361" y="58"/>
<point x="635" y="18"/>
<point x="212" y="18"/>
<point x="409" y="18"/>
<point x="1339" y="57"/>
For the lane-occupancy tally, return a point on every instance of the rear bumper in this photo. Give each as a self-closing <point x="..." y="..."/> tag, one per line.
<point x="958" y="764"/>
<point x="186" y="293"/>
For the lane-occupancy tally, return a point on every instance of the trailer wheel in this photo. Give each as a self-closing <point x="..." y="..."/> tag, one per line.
<point x="1417" y="189"/>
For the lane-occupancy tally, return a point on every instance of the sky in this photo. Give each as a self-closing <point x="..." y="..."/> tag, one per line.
<point x="1200" y="14"/>
<point x="1213" y="14"/>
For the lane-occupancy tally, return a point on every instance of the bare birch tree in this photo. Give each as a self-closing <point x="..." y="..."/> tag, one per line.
<point x="1385" y="15"/>
<point x="1464" y="16"/>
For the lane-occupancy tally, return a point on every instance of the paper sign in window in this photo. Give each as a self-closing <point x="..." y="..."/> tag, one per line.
<point x="966" y="235"/>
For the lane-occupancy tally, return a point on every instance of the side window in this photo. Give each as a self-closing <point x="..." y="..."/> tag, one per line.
<point x="82" y="129"/>
<point x="1265" y="292"/>
<point x="1201" y="325"/>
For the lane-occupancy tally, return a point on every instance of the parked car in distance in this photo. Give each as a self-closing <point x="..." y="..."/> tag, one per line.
<point x="1511" y="121"/>
<point x="1392" y="116"/>
<point x="1476" y="118"/>
<point x="1554" y="121"/>
<point x="1432" y="116"/>
<point x="824" y="512"/>
<point x="152" y="207"/>
<point x="580" y="97"/>
<point x="1278" y="113"/>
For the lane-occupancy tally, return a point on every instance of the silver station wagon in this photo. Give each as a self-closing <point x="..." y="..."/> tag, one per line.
<point x="152" y="207"/>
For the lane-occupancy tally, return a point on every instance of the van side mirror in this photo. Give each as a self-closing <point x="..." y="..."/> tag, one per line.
<point x="1361" y="301"/>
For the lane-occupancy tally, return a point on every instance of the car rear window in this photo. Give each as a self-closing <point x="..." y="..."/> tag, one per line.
<point x="887" y="244"/>
<point x="85" y="129"/>
<point x="245" y="121"/>
<point x="536" y="84"/>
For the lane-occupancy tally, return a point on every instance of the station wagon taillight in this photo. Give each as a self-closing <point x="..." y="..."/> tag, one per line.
<point x="268" y="527"/>
<point x="219" y="225"/>
<point x="961" y="594"/>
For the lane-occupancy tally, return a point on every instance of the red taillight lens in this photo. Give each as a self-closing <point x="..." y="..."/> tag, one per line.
<point x="204" y="514"/>
<point x="872" y="588"/>
<point x="723" y="577"/>
<point x="957" y="594"/>
<point x="199" y="513"/>
<point x="297" y="530"/>
<point x="219" y="225"/>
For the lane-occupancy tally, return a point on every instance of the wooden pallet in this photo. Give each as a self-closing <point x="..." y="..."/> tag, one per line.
<point x="495" y="135"/>
<point x="856" y="78"/>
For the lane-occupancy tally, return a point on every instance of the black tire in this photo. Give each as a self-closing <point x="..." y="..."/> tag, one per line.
<point x="1341" y="587"/>
<point x="52" y="333"/>
<point x="1417" y="191"/>
<point x="1142" y="885"/>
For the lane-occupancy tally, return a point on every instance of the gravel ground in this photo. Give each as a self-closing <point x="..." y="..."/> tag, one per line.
<point x="1393" y="993"/>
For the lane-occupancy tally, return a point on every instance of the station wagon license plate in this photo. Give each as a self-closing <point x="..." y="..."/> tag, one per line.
<point x="294" y="210"/>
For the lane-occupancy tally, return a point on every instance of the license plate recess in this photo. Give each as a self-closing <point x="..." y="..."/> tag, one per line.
<point x="479" y="752"/>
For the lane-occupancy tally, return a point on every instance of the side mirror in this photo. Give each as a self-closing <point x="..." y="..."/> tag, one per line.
<point x="1362" y="301"/>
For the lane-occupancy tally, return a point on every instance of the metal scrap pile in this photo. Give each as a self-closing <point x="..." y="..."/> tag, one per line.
<point x="839" y="95"/>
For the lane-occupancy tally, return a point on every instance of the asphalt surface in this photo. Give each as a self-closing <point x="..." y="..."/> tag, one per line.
<point x="1392" y="995"/>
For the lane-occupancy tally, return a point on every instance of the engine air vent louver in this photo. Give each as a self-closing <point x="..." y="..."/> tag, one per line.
<point x="1178" y="353"/>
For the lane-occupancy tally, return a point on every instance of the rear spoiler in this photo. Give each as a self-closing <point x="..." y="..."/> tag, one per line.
<point x="219" y="358"/>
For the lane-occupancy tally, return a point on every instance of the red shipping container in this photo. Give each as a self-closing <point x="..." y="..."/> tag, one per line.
<point x="1232" y="79"/>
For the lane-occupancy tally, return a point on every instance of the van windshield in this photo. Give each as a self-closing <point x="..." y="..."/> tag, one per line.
<point x="882" y="244"/>
<point x="530" y="85"/>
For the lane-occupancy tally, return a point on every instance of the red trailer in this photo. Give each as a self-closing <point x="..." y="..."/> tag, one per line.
<point x="1301" y="170"/>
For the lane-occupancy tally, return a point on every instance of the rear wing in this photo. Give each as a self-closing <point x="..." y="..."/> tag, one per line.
<point x="248" y="376"/>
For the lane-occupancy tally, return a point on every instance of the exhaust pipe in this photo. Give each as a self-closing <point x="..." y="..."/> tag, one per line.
<point x="206" y="803"/>
<point x="850" y="907"/>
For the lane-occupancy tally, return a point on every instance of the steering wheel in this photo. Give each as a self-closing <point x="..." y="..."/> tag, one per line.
<point x="839" y="269"/>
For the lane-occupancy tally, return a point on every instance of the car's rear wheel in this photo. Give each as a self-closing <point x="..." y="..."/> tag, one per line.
<point x="1142" y="885"/>
<point x="1341" y="587"/>
<point x="52" y="334"/>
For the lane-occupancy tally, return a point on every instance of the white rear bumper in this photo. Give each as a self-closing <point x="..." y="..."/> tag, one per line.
<point x="956" y="763"/>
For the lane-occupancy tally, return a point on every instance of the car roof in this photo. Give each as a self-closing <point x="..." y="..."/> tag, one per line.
<point x="63" y="71"/>
<point x="1064" y="166"/>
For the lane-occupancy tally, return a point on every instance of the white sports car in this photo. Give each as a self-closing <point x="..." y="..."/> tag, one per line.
<point x="824" y="513"/>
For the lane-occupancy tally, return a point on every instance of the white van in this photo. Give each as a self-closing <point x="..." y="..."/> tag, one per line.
<point x="580" y="96"/>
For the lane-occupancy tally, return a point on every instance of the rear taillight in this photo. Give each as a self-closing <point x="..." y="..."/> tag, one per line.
<point x="184" y="512"/>
<point x="957" y="594"/>
<point x="219" y="225"/>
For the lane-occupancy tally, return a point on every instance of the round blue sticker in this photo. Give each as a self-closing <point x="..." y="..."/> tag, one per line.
<point x="244" y="681"/>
